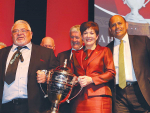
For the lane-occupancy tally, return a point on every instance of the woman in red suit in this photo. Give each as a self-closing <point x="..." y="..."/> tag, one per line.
<point x="95" y="68"/>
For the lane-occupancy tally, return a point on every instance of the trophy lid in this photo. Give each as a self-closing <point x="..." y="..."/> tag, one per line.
<point x="63" y="69"/>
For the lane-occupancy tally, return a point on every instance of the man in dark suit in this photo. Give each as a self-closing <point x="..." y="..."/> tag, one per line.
<point x="76" y="44"/>
<point x="133" y="71"/>
<point x="23" y="94"/>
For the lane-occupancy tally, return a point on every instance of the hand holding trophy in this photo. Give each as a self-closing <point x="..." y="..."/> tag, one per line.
<point x="60" y="83"/>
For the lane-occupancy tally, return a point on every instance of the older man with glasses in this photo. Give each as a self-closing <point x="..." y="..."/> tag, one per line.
<point x="19" y="88"/>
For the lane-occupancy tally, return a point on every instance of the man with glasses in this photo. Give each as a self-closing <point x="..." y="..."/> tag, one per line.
<point x="19" y="84"/>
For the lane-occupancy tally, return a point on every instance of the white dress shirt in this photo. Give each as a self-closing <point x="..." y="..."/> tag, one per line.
<point x="129" y="70"/>
<point x="18" y="88"/>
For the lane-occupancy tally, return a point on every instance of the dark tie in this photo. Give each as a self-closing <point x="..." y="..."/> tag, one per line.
<point x="122" y="78"/>
<point x="12" y="67"/>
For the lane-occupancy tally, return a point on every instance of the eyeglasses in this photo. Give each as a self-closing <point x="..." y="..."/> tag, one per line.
<point x="16" y="31"/>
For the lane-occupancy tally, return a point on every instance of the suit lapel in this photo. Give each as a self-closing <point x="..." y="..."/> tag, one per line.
<point x="95" y="53"/>
<point x="68" y="53"/>
<point x="133" y="49"/>
<point x="111" y="46"/>
<point x="131" y="41"/>
<point x="5" y="55"/>
<point x="79" y="56"/>
<point x="32" y="59"/>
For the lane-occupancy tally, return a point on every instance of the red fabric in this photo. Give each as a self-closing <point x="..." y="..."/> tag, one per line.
<point x="61" y="16"/>
<point x="93" y="105"/>
<point x="7" y="9"/>
<point x="101" y="68"/>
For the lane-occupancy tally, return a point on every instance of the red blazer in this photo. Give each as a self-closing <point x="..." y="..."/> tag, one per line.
<point x="100" y="67"/>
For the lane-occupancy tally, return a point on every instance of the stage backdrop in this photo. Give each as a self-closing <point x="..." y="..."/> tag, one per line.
<point x="52" y="18"/>
<point x="6" y="20"/>
<point x="136" y="12"/>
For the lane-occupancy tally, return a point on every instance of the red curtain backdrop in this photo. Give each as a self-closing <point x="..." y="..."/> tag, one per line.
<point x="61" y="16"/>
<point x="6" y="20"/>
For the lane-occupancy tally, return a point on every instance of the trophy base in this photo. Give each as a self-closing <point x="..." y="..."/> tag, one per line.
<point x="139" y="29"/>
<point x="49" y="111"/>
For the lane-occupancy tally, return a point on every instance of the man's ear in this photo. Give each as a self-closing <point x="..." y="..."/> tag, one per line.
<point x="127" y="25"/>
<point x="109" y="29"/>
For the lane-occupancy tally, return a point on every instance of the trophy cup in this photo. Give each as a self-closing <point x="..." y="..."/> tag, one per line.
<point x="60" y="86"/>
<point x="134" y="15"/>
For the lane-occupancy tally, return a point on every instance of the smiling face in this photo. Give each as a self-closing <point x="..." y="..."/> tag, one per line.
<point x="89" y="37"/>
<point x="21" y="34"/>
<point x="118" y="26"/>
<point x="76" y="40"/>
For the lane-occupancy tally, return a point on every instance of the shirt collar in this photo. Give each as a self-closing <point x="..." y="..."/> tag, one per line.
<point x="125" y="39"/>
<point x="14" y="47"/>
<point x="79" y="49"/>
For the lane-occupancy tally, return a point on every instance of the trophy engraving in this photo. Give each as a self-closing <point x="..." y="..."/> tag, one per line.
<point x="134" y="15"/>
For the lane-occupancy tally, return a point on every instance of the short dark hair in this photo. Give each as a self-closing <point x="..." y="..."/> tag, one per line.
<point x="89" y="24"/>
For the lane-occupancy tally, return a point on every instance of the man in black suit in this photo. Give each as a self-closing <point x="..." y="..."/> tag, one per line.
<point x="132" y="89"/>
<point x="23" y="94"/>
<point x="76" y="44"/>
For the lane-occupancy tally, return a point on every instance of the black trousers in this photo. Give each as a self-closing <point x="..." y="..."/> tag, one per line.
<point x="130" y="100"/>
<point x="15" y="106"/>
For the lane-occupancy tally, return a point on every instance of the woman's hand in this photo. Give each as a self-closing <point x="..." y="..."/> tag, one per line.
<point x="85" y="80"/>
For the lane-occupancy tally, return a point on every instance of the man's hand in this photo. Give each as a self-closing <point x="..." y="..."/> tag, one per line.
<point x="85" y="80"/>
<point x="41" y="77"/>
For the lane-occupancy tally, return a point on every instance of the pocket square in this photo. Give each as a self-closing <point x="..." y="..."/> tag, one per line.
<point x="42" y="60"/>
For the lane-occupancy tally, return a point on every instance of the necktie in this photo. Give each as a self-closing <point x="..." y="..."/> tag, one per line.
<point x="122" y="78"/>
<point x="12" y="67"/>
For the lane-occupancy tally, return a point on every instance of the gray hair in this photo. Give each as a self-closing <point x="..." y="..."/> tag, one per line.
<point x="2" y="44"/>
<point x="75" y="28"/>
<point x="21" y="21"/>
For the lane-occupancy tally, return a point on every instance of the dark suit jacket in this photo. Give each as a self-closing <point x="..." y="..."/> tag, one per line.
<point x="140" y="51"/>
<point x="64" y="55"/>
<point x="41" y="58"/>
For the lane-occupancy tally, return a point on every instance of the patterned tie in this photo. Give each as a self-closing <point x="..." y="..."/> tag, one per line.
<point x="12" y="67"/>
<point x="122" y="78"/>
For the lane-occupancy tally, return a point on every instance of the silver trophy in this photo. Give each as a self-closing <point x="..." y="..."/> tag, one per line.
<point x="60" y="85"/>
<point x="134" y="15"/>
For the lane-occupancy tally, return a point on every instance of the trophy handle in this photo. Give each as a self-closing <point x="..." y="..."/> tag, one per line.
<point x="47" y="73"/>
<point x="68" y="100"/>
<point x="145" y="3"/>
